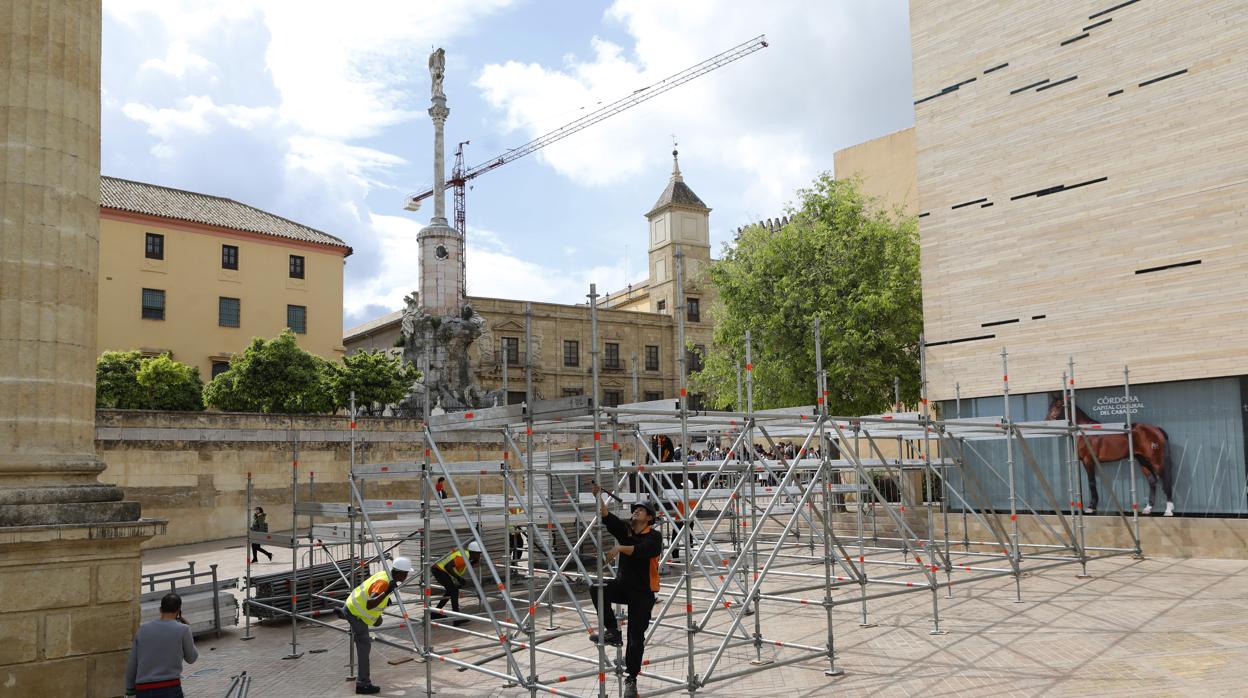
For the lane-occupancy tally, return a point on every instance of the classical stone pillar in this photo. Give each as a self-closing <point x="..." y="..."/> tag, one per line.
<point x="49" y="245"/>
<point x="69" y="545"/>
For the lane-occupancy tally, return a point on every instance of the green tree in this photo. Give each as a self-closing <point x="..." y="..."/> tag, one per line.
<point x="170" y="385"/>
<point x="841" y="259"/>
<point x="376" y="378"/>
<point x="116" y="380"/>
<point x="274" y="375"/>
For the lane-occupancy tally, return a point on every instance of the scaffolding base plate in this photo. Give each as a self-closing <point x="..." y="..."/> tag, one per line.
<point x="834" y="672"/>
<point x="762" y="662"/>
<point x="293" y="656"/>
<point x="938" y="632"/>
<point x="867" y="625"/>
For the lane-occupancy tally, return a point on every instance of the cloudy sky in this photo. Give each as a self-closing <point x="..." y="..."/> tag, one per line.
<point x="315" y="110"/>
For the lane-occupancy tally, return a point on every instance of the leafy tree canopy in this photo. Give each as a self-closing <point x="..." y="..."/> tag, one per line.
<point x="116" y="380"/>
<point x="125" y="380"/>
<point x="840" y="259"/>
<point x="274" y="375"/>
<point x="376" y="378"/>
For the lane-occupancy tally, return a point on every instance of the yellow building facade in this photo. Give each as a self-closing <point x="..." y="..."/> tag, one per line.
<point x="198" y="276"/>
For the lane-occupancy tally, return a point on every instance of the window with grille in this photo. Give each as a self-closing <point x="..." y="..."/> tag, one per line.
<point x="228" y="311"/>
<point x="511" y="350"/>
<point x="229" y="257"/>
<point x="155" y="246"/>
<point x="297" y="318"/>
<point x="571" y="352"/>
<point x="652" y="395"/>
<point x="296" y="266"/>
<point x="693" y="310"/>
<point x="153" y="304"/>
<point x="662" y="306"/>
<point x="572" y="392"/>
<point x="612" y="359"/>
<point x="219" y="367"/>
<point x="652" y="358"/>
<point x="515" y="397"/>
<point x="612" y="398"/>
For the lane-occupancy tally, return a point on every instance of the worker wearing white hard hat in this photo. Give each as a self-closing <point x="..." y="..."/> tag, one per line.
<point x="450" y="571"/>
<point x="364" y="607"/>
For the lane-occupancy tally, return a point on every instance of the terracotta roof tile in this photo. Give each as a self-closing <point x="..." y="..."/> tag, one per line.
<point x="165" y="202"/>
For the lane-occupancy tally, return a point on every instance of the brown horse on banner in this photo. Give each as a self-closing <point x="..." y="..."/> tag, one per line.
<point x="1149" y="441"/>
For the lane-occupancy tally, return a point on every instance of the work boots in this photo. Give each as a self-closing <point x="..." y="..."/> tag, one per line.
<point x="630" y="687"/>
<point x="610" y="637"/>
<point x="374" y="688"/>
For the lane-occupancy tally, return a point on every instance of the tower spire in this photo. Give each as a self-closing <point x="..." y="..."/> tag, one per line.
<point x="675" y="162"/>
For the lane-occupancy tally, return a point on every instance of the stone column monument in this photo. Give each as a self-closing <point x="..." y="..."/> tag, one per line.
<point x="438" y="325"/>
<point x="69" y="545"/>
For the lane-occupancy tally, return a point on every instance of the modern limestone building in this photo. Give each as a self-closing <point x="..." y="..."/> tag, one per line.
<point x="639" y="352"/>
<point x="1082" y="174"/>
<point x="198" y="276"/>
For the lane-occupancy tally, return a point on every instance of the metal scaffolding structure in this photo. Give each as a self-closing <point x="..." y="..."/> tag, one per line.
<point x="743" y="588"/>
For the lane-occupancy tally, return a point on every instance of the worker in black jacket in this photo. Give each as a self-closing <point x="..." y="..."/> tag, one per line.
<point x="635" y="583"/>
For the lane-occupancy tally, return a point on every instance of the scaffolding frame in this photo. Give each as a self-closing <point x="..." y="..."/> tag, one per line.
<point x="735" y="535"/>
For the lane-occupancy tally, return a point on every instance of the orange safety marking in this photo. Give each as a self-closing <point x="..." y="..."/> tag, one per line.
<point x="597" y="435"/>
<point x="389" y="504"/>
<point x="500" y="587"/>
<point x="749" y="367"/>
<point x="562" y="679"/>
<point x="818" y="401"/>
<point x="615" y="446"/>
<point x="385" y="468"/>
<point x="504" y="455"/>
<point x="682" y="392"/>
<point x="803" y="602"/>
<point x="779" y="644"/>
<point x="502" y="639"/>
<point x="454" y="650"/>
<point x="353" y="424"/>
<point x="467" y="415"/>
<point x="295" y="463"/>
<point x="602" y="678"/>
<point x="532" y="609"/>
<point x="1006" y="377"/>
<point x="688" y="608"/>
<point x="1013" y="517"/>
<point x="918" y="559"/>
<point x="483" y="471"/>
<point x="1135" y="506"/>
<point x="909" y="584"/>
<point x="862" y="559"/>
<point x="641" y="468"/>
<point x="727" y="604"/>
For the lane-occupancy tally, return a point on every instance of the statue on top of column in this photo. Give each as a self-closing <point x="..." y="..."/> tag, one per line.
<point x="437" y="70"/>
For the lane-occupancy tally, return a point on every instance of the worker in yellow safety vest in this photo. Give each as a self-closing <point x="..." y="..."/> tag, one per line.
<point x="363" y="609"/>
<point x="450" y="571"/>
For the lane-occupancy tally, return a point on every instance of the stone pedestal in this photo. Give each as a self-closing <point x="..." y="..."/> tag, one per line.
<point x="70" y="607"/>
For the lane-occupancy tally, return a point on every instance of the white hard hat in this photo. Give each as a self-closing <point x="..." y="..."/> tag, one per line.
<point x="474" y="547"/>
<point x="401" y="564"/>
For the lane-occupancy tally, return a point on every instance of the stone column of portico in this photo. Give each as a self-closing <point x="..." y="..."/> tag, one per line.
<point x="69" y="545"/>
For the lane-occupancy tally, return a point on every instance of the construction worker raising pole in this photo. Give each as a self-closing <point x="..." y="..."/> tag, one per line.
<point x="363" y="609"/>
<point x="635" y="583"/>
<point x="449" y="571"/>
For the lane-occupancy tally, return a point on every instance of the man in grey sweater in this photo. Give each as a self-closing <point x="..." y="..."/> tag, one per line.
<point x="157" y="653"/>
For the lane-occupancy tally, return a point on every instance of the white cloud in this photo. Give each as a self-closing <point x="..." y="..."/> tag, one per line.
<point x="196" y="114"/>
<point x="775" y="116"/>
<point x="178" y="60"/>
<point x="347" y="71"/>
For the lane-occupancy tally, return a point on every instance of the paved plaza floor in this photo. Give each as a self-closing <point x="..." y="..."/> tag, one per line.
<point x="1156" y="627"/>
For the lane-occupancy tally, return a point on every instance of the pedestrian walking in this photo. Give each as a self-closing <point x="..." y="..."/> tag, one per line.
<point x="259" y="524"/>
<point x="154" y="669"/>
<point x="363" y="609"/>
<point x="635" y="584"/>
<point x="440" y="488"/>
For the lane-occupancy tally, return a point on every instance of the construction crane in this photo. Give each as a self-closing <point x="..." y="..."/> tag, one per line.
<point x="460" y="175"/>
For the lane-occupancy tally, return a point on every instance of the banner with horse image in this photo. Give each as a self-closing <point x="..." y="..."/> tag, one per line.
<point x="1189" y="441"/>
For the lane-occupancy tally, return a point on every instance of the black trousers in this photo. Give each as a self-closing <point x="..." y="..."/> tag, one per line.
<point x="256" y="549"/>
<point x="450" y="589"/>
<point x="640" y="604"/>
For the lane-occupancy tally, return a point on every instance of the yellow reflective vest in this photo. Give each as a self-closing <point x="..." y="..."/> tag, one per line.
<point x="357" y="602"/>
<point x="453" y="564"/>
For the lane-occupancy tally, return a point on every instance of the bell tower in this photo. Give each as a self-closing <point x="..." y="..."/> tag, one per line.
<point x="678" y="220"/>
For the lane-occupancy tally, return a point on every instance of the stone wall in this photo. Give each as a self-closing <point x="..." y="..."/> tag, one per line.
<point x="191" y="467"/>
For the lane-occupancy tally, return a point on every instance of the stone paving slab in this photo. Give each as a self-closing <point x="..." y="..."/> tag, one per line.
<point x="1156" y="627"/>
